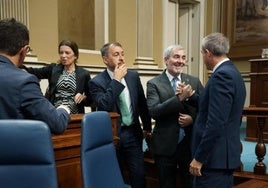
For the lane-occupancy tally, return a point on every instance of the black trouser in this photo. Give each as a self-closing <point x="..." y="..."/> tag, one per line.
<point x="167" y="167"/>
<point x="220" y="178"/>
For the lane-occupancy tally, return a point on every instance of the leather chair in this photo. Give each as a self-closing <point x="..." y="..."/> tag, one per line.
<point x="26" y="155"/>
<point x="99" y="164"/>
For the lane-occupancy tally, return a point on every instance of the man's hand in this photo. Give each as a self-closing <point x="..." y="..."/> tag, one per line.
<point x="185" y="120"/>
<point x="65" y="107"/>
<point x="195" y="168"/>
<point x="146" y="134"/>
<point x="184" y="91"/>
<point x="120" y="71"/>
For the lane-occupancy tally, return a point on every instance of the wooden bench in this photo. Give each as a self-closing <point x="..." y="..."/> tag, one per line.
<point x="253" y="184"/>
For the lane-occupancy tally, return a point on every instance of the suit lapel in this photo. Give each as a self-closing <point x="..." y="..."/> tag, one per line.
<point x="131" y="85"/>
<point x="184" y="78"/>
<point x="78" y="74"/>
<point x="165" y="84"/>
<point x="106" y="79"/>
<point x="105" y="83"/>
<point x="55" y="75"/>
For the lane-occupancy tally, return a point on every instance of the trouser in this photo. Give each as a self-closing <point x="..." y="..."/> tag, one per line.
<point x="129" y="152"/>
<point x="217" y="178"/>
<point x="167" y="167"/>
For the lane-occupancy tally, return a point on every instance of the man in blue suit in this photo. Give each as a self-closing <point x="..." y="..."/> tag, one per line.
<point x="216" y="137"/>
<point x="21" y="96"/>
<point x="106" y="90"/>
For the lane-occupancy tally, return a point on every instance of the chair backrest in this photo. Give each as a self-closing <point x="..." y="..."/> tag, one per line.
<point x="99" y="163"/>
<point x="26" y="155"/>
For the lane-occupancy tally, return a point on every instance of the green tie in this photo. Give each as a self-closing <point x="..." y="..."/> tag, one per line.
<point x="126" y="117"/>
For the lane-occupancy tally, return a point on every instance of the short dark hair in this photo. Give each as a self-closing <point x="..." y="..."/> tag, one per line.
<point x="13" y="36"/>
<point x="105" y="48"/>
<point x="71" y="44"/>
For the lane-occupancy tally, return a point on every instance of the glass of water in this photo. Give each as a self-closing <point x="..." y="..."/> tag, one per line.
<point x="264" y="53"/>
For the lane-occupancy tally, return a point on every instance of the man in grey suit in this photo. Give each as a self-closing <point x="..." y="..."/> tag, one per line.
<point x="21" y="96"/>
<point x="173" y="118"/>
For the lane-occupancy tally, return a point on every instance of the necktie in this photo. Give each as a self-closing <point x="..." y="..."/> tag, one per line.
<point x="181" y="133"/>
<point x="174" y="85"/>
<point x="126" y="117"/>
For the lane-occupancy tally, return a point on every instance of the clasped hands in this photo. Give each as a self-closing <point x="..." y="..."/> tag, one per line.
<point x="78" y="98"/>
<point x="184" y="91"/>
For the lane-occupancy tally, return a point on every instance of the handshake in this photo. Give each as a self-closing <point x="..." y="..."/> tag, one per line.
<point x="184" y="91"/>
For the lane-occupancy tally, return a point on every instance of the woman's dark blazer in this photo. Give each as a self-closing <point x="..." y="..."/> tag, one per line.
<point x="53" y="71"/>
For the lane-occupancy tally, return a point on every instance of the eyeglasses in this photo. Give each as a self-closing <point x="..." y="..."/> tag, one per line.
<point x="28" y="49"/>
<point x="204" y="51"/>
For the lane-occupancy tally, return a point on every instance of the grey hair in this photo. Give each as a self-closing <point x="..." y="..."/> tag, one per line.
<point x="216" y="43"/>
<point x="169" y="49"/>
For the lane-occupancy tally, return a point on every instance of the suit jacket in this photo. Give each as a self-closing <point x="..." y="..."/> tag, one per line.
<point x="164" y="106"/>
<point x="22" y="98"/>
<point x="216" y="134"/>
<point x="53" y="71"/>
<point x="105" y="93"/>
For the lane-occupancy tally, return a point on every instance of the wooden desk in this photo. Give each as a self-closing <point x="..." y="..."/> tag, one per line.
<point x="258" y="96"/>
<point x="261" y="115"/>
<point x="67" y="152"/>
<point x="253" y="184"/>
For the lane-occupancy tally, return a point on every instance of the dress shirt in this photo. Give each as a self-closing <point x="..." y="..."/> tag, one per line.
<point x="218" y="64"/>
<point x="170" y="77"/>
<point x="178" y="80"/>
<point x="126" y="92"/>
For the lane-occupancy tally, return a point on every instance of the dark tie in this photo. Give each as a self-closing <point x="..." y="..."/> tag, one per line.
<point x="182" y="133"/>
<point x="174" y="85"/>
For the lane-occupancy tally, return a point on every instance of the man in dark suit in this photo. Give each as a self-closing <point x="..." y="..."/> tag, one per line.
<point x="216" y="134"/>
<point x="173" y="119"/>
<point x="21" y="96"/>
<point x="106" y="90"/>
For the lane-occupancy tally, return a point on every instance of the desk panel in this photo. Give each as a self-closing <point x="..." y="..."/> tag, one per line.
<point x="67" y="151"/>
